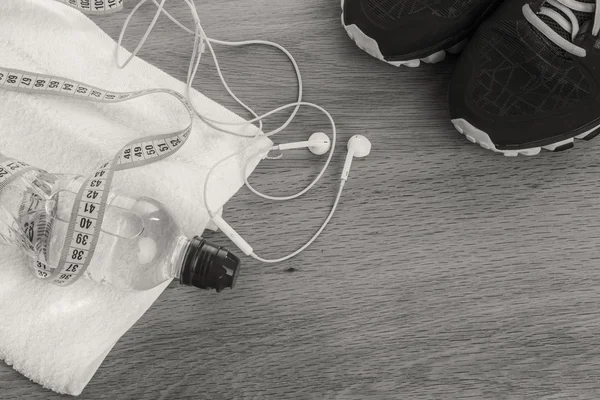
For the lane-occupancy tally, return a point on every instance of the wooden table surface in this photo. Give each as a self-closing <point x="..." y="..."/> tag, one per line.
<point x="449" y="272"/>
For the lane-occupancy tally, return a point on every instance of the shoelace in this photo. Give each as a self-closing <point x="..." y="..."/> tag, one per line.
<point x="571" y="25"/>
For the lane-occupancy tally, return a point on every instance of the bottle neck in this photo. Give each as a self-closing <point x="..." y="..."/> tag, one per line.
<point x="205" y="266"/>
<point x="178" y="259"/>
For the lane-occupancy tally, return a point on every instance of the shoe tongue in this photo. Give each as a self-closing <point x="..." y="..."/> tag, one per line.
<point x="586" y="26"/>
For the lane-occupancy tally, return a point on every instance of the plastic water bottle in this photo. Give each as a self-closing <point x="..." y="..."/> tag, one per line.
<point x="140" y="245"/>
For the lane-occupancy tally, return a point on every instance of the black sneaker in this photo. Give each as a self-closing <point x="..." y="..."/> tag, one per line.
<point x="406" y="32"/>
<point x="529" y="79"/>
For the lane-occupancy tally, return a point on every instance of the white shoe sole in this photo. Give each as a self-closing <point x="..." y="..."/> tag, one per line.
<point x="478" y="136"/>
<point x="370" y="46"/>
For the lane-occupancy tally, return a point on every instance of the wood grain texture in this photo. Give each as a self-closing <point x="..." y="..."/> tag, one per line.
<point x="449" y="272"/>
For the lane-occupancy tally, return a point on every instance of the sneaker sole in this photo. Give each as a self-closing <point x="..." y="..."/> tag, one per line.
<point x="478" y="136"/>
<point x="370" y="46"/>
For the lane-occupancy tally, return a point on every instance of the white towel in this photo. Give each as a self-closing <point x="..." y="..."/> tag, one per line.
<point x="58" y="337"/>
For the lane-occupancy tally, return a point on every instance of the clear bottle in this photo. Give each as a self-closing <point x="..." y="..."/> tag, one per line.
<point x="140" y="245"/>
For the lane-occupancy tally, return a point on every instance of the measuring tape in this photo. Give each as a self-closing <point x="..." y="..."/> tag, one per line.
<point x="11" y="169"/>
<point x="90" y="202"/>
<point x="35" y="224"/>
<point x="98" y="7"/>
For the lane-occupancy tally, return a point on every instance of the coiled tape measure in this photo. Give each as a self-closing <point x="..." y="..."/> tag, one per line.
<point x="90" y="202"/>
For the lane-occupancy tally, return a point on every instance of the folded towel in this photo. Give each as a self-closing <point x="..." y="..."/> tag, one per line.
<point x="58" y="337"/>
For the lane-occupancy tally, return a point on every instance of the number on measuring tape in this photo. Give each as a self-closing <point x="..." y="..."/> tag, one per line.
<point x="72" y="268"/>
<point x="26" y="81"/>
<point x="85" y="5"/>
<point x="97" y="94"/>
<point x="93" y="196"/>
<point x="11" y="169"/>
<point x="77" y="254"/>
<point x="43" y="274"/>
<point x="68" y="87"/>
<point x="12" y="80"/>
<point x="89" y="209"/>
<point x="82" y="239"/>
<point x="82" y="91"/>
<point x="55" y="85"/>
<point x="95" y="6"/>
<point x="85" y="224"/>
<point x="125" y="156"/>
<point x="162" y="146"/>
<point x="40" y="84"/>
<point x="96" y="184"/>
<point x="137" y="153"/>
<point x="175" y="142"/>
<point x="149" y="150"/>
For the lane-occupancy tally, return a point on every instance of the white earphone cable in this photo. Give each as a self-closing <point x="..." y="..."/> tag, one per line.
<point x="196" y="57"/>
<point x="201" y="40"/>
<point x="313" y="238"/>
<point x="310" y="186"/>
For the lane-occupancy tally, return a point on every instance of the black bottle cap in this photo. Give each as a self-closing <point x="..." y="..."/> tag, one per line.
<point x="209" y="267"/>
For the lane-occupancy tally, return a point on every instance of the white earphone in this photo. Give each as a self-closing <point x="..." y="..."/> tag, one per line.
<point x="318" y="143"/>
<point x="358" y="146"/>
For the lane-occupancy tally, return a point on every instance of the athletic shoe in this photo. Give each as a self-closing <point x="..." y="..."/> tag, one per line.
<point x="406" y="32"/>
<point x="530" y="78"/>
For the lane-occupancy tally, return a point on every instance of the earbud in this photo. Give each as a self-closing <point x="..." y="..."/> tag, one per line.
<point x="318" y="143"/>
<point x="323" y="145"/>
<point x="358" y="146"/>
